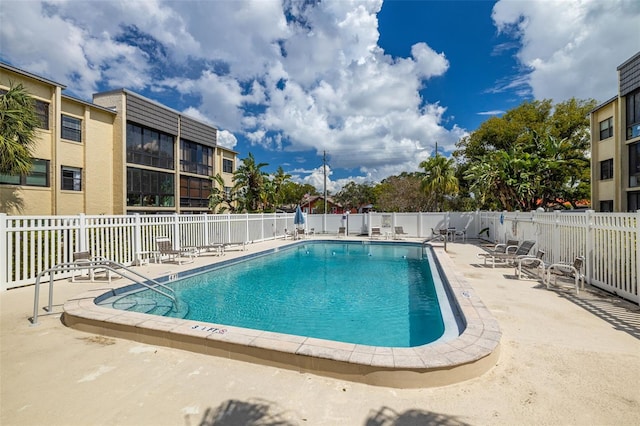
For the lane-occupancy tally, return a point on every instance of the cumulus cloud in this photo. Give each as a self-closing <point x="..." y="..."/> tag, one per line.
<point x="301" y="77"/>
<point x="570" y="48"/>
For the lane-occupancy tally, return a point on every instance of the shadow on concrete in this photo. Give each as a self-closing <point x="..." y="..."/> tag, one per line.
<point x="243" y="413"/>
<point x="621" y="314"/>
<point x="386" y="416"/>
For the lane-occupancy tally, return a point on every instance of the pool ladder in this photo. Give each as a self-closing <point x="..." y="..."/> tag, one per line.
<point x="102" y="265"/>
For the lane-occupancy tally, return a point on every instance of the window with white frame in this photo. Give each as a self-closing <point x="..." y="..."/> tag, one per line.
<point x="71" y="178"/>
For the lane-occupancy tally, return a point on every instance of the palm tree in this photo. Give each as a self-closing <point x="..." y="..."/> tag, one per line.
<point x="18" y="124"/>
<point x="219" y="200"/>
<point x="439" y="179"/>
<point x="249" y="182"/>
<point x="279" y="179"/>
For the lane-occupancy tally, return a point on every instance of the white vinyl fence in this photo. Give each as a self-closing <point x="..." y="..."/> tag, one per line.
<point x="31" y="244"/>
<point x="608" y="241"/>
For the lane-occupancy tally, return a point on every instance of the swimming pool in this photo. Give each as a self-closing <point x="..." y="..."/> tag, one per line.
<point x="467" y="354"/>
<point x="368" y="293"/>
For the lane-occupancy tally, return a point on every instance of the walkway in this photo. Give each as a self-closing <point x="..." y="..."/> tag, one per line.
<point x="564" y="360"/>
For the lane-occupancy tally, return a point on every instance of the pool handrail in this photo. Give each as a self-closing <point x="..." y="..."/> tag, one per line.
<point x="99" y="264"/>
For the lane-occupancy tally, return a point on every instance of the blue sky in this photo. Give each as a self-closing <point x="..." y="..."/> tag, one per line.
<point x="373" y="84"/>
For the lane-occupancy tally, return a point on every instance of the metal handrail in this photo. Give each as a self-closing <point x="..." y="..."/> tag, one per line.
<point x="97" y="264"/>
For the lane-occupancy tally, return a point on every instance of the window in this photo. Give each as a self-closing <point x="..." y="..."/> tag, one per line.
<point x="149" y="188"/>
<point x="633" y="114"/>
<point x="194" y="192"/>
<point x="71" y="179"/>
<point x="634" y="164"/>
<point x="196" y="158"/>
<point x="149" y="147"/>
<point x="606" y="169"/>
<point x="227" y="166"/>
<point x="42" y="112"/>
<point x="633" y="201"/>
<point x="606" y="206"/>
<point x="606" y="128"/>
<point x="71" y="128"/>
<point x="39" y="175"/>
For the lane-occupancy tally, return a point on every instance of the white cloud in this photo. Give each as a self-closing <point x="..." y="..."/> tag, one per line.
<point x="571" y="48"/>
<point x="227" y="139"/>
<point x="318" y="82"/>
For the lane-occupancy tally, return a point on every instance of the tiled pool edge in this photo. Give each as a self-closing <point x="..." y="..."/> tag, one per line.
<point x="473" y="353"/>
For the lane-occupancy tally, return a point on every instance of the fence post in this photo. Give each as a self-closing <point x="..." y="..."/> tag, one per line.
<point x="137" y="239"/>
<point x="176" y="232"/>
<point x="638" y="254"/>
<point x="247" y="227"/>
<point x="83" y="232"/>
<point x="589" y="242"/>
<point x="4" y="254"/>
<point x="206" y="229"/>
<point x="556" y="237"/>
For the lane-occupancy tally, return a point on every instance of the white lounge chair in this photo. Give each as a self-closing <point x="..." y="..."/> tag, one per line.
<point x="509" y="255"/>
<point x="567" y="270"/>
<point x="398" y="232"/>
<point x="165" y="248"/>
<point x="529" y="263"/>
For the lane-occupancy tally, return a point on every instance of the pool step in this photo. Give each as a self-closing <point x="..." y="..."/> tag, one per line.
<point x="146" y="305"/>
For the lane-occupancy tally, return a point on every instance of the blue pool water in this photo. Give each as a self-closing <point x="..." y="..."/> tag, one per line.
<point x="375" y="294"/>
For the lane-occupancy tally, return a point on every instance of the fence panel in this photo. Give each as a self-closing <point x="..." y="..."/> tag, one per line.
<point x="30" y="244"/>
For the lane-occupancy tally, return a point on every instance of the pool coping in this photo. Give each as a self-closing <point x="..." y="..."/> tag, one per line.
<point x="472" y="353"/>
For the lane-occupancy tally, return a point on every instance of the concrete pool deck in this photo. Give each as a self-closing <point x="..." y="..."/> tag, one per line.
<point x="564" y="359"/>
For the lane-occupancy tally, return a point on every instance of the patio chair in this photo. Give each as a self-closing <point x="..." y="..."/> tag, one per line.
<point x="437" y="235"/>
<point x="165" y="248"/>
<point x="567" y="270"/>
<point x="375" y="232"/>
<point x="342" y="231"/>
<point x="509" y="255"/>
<point x="460" y="233"/>
<point x="240" y="245"/>
<point x="510" y="245"/>
<point x="288" y="234"/>
<point x="83" y="258"/>
<point x="530" y="264"/>
<point x="398" y="231"/>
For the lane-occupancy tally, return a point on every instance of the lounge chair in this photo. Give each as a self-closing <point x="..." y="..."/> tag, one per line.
<point x="529" y="263"/>
<point x="510" y="245"/>
<point x="375" y="232"/>
<point x="218" y="248"/>
<point x="437" y="235"/>
<point x="83" y="258"/>
<point x="165" y="248"/>
<point x="240" y="245"/>
<point x="509" y="255"/>
<point x="567" y="270"/>
<point x="342" y="231"/>
<point x="398" y="231"/>
<point x="460" y="233"/>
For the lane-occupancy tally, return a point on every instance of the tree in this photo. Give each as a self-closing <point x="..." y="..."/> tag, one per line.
<point x="279" y="180"/>
<point x="18" y="124"/>
<point x="355" y="195"/>
<point x="401" y="194"/>
<point x="439" y="179"/>
<point x="535" y="155"/>
<point x="219" y="199"/>
<point x="249" y="183"/>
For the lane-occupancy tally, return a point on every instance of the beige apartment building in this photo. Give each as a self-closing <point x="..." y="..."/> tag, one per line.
<point x="120" y="154"/>
<point x="615" y="145"/>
